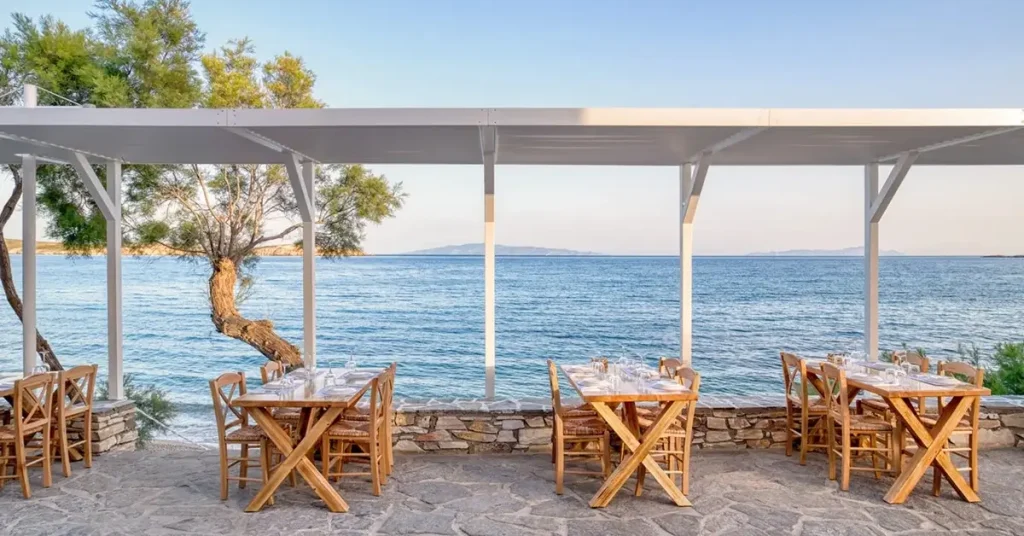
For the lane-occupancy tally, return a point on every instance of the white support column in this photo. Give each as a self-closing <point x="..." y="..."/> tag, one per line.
<point x="115" y="331"/>
<point x="870" y="263"/>
<point x="309" y="269"/>
<point x="489" y="343"/>
<point x="28" y="251"/>
<point x="685" y="267"/>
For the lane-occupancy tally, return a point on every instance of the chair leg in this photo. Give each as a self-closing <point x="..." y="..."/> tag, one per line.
<point x="558" y="451"/>
<point x="844" y="484"/>
<point x="831" y="449"/>
<point x="21" y="468"/>
<point x="974" y="460"/>
<point x="873" y="443"/>
<point x="3" y="465"/>
<point x="804" y="438"/>
<point x="243" y="465"/>
<point x="325" y="457"/>
<point x="223" y="472"/>
<point x="88" y="439"/>
<point x="375" y="468"/>
<point x="62" y="443"/>
<point x="789" y="431"/>
<point x="47" y="458"/>
<point x="686" y="464"/>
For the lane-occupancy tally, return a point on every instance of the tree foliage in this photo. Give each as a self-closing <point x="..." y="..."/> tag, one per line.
<point x="151" y="54"/>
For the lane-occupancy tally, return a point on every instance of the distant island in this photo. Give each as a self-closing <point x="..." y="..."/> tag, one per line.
<point x="857" y="251"/>
<point x="499" y="249"/>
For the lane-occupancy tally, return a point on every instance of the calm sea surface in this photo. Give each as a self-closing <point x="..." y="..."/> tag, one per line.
<point x="427" y="314"/>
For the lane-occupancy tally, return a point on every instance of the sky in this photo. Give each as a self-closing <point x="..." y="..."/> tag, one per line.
<point x="869" y="53"/>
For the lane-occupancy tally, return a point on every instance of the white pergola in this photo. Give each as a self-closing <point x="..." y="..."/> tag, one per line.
<point x="690" y="139"/>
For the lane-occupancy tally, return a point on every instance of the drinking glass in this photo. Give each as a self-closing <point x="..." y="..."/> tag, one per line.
<point x="40" y="368"/>
<point x="350" y="365"/>
<point x="329" y="378"/>
<point x="890" y="376"/>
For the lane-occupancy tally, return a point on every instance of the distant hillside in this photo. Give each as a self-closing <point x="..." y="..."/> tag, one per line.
<point x="478" y="250"/>
<point x="857" y="251"/>
<point x="56" y="248"/>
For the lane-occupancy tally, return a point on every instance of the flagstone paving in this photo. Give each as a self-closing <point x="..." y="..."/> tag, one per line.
<point x="757" y="492"/>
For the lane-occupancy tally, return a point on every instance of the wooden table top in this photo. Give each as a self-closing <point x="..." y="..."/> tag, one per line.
<point x="592" y="389"/>
<point x="871" y="377"/>
<point x="350" y="386"/>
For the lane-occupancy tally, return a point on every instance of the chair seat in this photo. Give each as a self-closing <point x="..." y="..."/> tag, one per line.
<point x="245" y="433"/>
<point x="287" y="414"/>
<point x="676" y="429"/>
<point x="583" y="411"/>
<point x="874" y="404"/>
<point x="358" y="414"/>
<point x="963" y="426"/>
<point x="349" y="430"/>
<point x="814" y="407"/>
<point x="588" y="427"/>
<point x="869" y="424"/>
<point x="7" y="433"/>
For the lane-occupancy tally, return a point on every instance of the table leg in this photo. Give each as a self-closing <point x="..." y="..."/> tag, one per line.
<point x="296" y="458"/>
<point x="930" y="443"/>
<point x="640" y="454"/>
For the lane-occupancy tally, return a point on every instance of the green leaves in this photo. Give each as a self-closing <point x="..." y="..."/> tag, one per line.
<point x="348" y="197"/>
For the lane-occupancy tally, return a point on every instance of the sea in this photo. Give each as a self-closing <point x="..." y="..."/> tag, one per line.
<point x="426" y="313"/>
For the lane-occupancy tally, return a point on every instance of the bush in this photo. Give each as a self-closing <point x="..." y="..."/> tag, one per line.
<point x="150" y="400"/>
<point x="1007" y="376"/>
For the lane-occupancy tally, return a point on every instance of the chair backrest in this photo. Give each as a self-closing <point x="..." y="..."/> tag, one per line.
<point x="33" y="404"/>
<point x="668" y="365"/>
<point x="75" y="389"/>
<point x="224" y="389"/>
<point x="271" y="371"/>
<point x="836" y="392"/>
<point x="913" y="357"/>
<point x="379" y="392"/>
<point x="975" y="376"/>
<point x="556" y="395"/>
<point x="602" y="360"/>
<point x="689" y="378"/>
<point x="794" y="374"/>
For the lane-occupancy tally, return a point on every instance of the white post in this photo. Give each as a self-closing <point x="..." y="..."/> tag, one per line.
<point x="489" y="272"/>
<point x="309" y="271"/>
<point x="28" y="250"/>
<point x="685" y="267"/>
<point x="115" y="329"/>
<point x="870" y="263"/>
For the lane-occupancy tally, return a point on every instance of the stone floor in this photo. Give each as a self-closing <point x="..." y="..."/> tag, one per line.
<point x="753" y="492"/>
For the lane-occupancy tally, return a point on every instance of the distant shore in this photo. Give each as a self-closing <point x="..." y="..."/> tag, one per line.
<point x="56" y="248"/>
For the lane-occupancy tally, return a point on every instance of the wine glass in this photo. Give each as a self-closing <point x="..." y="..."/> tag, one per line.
<point x="350" y="365"/>
<point x="40" y="368"/>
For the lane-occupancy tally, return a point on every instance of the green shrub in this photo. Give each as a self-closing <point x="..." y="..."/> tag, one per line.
<point x="1006" y="377"/>
<point x="151" y="400"/>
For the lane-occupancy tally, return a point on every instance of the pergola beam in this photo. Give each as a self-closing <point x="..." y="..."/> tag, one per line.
<point x="882" y="198"/>
<point x="738" y="137"/>
<point x="953" y="142"/>
<point x="95" y="188"/>
<point x="302" y="197"/>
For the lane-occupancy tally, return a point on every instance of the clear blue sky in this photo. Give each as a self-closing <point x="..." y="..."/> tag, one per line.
<point x="868" y="53"/>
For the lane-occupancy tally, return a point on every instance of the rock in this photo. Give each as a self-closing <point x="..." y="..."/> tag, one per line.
<point x="404" y="419"/>
<point x="483" y="426"/>
<point x="1014" y="420"/>
<point x="486" y="448"/>
<point x="512" y="424"/>
<point x="1002" y="437"/>
<point x="506" y="436"/>
<point x="717" y="423"/>
<point x="452" y="445"/>
<point x="424" y="421"/>
<point x="437" y="435"/>
<point x="448" y="422"/>
<point x="536" y="422"/>
<point x="534" y="436"/>
<point x="410" y="430"/>
<point x="716" y="436"/>
<point x="407" y="446"/>
<point x="475" y="437"/>
<point x="779" y="436"/>
<point x="738" y="423"/>
<point x="749" y="433"/>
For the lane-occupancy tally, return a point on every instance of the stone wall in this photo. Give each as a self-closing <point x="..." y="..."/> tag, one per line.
<point x="472" y="426"/>
<point x="113" y="426"/>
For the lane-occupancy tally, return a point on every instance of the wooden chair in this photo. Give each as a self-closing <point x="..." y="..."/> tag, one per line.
<point x="362" y="414"/>
<point x="576" y="429"/>
<point x="667" y="366"/>
<point x="874" y="436"/>
<point x="968" y="425"/>
<point x="673" y="450"/>
<point x="32" y="409"/>
<point x="274" y="371"/>
<point x="811" y="413"/>
<point x="233" y="429"/>
<point x="368" y="435"/>
<point x="75" y="389"/>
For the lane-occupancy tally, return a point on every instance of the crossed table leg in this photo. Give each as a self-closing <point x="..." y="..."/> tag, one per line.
<point x="930" y="443"/>
<point x="296" y="458"/>
<point x="640" y="449"/>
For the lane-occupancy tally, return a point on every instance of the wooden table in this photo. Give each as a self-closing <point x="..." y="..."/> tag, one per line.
<point x="639" y="446"/>
<point x="318" y="411"/>
<point x="930" y="440"/>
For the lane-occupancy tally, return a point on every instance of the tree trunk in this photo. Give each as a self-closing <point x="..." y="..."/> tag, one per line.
<point x="257" y="333"/>
<point x="7" y="277"/>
